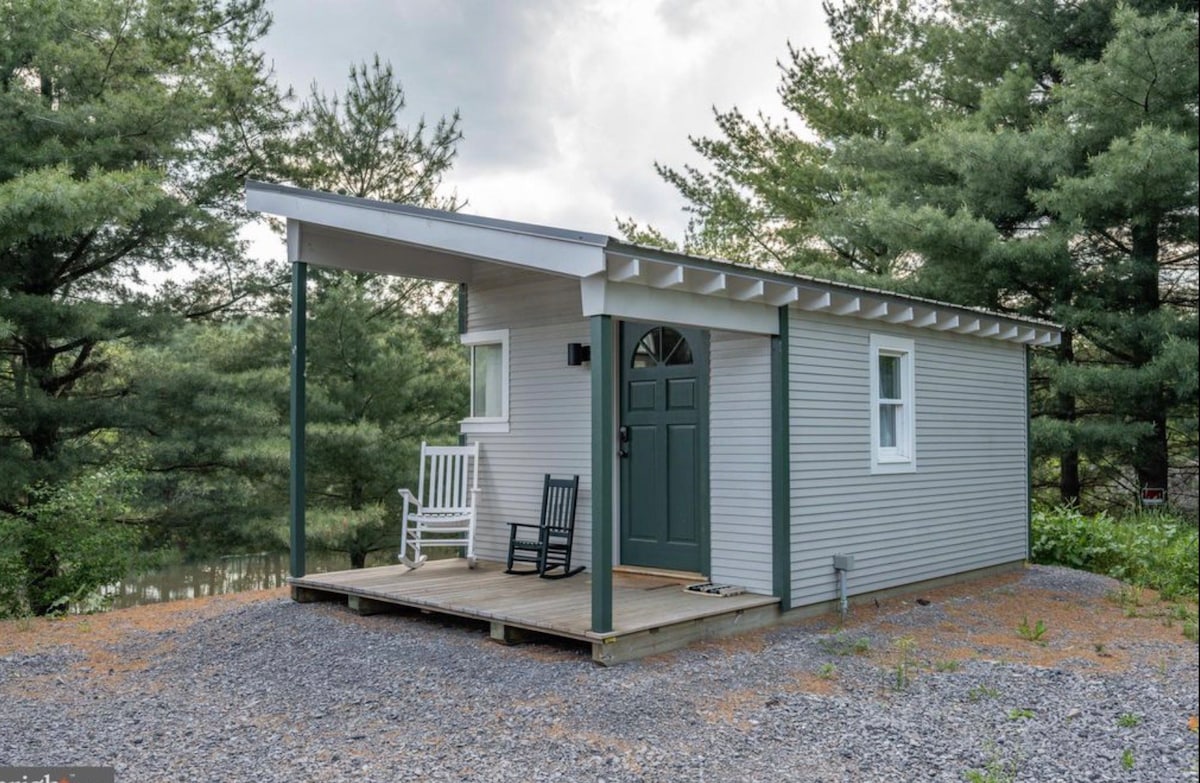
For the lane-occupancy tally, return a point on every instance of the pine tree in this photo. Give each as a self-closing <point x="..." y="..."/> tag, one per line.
<point x="384" y="367"/>
<point x="1034" y="157"/>
<point x="128" y="129"/>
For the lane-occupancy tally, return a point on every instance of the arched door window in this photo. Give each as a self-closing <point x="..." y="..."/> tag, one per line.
<point x="662" y="345"/>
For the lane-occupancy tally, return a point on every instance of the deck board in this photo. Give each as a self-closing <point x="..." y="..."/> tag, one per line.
<point x="560" y="607"/>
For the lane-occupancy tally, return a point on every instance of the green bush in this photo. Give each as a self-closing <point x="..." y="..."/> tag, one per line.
<point x="1154" y="549"/>
<point x="67" y="543"/>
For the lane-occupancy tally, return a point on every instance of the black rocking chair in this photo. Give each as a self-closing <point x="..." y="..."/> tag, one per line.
<point x="551" y="548"/>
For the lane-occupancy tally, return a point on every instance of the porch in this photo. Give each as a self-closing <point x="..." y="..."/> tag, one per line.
<point x="650" y="614"/>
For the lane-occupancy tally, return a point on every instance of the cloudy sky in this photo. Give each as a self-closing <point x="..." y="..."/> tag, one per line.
<point x="566" y="104"/>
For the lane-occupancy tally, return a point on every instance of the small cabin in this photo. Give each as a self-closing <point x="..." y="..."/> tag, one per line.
<point x="783" y="434"/>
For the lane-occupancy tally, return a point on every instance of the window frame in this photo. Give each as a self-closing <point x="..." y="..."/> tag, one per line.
<point x="902" y="458"/>
<point x="472" y="340"/>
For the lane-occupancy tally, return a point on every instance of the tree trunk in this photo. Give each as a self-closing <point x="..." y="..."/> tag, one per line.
<point x="1151" y="458"/>
<point x="1069" y="485"/>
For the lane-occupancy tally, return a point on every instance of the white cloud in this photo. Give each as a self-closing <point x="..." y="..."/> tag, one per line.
<point x="566" y="105"/>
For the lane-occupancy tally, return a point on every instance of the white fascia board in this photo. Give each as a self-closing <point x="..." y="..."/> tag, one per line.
<point x="601" y="296"/>
<point x="548" y="254"/>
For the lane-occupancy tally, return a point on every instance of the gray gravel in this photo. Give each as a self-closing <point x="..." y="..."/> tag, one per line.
<point x="277" y="691"/>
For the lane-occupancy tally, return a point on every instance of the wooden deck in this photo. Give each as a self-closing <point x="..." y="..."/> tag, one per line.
<point x="650" y="614"/>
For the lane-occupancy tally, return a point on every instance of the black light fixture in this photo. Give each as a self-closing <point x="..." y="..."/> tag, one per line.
<point x="578" y="353"/>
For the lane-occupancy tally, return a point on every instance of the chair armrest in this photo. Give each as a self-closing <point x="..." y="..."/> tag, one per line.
<point x="533" y="525"/>
<point x="409" y="497"/>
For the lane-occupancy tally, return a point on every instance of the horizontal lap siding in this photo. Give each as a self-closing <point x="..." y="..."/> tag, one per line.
<point x="740" y="460"/>
<point x="965" y="506"/>
<point x="549" y="404"/>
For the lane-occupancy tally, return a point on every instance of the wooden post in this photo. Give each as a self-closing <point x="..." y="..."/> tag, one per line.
<point x="299" y="363"/>
<point x="603" y="366"/>
<point x="781" y="471"/>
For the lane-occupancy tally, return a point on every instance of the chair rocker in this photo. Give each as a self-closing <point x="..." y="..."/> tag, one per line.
<point x="442" y="511"/>
<point x="550" y="547"/>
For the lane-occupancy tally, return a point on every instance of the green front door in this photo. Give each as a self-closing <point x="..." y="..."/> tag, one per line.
<point x="663" y="447"/>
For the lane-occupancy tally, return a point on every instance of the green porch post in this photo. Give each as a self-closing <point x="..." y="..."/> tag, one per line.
<point x="299" y="338"/>
<point x="603" y="366"/>
<point x="781" y="466"/>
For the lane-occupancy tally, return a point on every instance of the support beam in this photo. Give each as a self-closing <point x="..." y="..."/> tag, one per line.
<point x="927" y="318"/>
<point x="603" y="431"/>
<point x="781" y="471"/>
<point x="299" y="363"/>
<point x="874" y="310"/>
<point x="781" y="295"/>
<point x="816" y="300"/>
<point x="622" y="270"/>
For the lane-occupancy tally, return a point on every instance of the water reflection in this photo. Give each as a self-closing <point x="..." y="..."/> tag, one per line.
<point x="230" y="574"/>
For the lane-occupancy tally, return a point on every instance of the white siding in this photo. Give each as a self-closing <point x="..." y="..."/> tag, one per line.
<point x="740" y="460"/>
<point x="549" y="404"/>
<point x="964" y="507"/>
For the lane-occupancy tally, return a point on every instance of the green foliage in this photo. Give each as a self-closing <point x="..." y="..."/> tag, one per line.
<point x="1127" y="759"/>
<point x="71" y="540"/>
<point x="1020" y="713"/>
<point x="1154" y="549"/>
<point x="1127" y="720"/>
<point x="212" y="450"/>
<point x="842" y="645"/>
<point x="902" y="671"/>
<point x="355" y="144"/>
<point x="1031" y="633"/>
<point x="1029" y="157"/>
<point x="129" y="128"/>
<point x="982" y="692"/>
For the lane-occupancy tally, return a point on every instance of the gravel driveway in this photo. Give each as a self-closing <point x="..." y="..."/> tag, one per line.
<point x="262" y="689"/>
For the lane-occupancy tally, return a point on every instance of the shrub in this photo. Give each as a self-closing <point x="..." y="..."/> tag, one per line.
<point x="68" y="542"/>
<point x="1155" y="549"/>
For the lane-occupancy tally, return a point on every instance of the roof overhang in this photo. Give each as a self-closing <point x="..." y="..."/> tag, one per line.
<point x="753" y="295"/>
<point x="616" y="278"/>
<point x="411" y="241"/>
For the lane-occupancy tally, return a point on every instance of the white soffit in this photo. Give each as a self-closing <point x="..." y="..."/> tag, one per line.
<point x="736" y="286"/>
<point x="532" y="247"/>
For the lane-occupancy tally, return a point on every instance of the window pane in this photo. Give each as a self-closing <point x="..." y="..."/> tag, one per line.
<point x="888" y="415"/>
<point x="889" y="377"/>
<point x="485" y="381"/>
<point x="676" y="350"/>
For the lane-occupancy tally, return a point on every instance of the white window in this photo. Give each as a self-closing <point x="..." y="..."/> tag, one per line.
<point x="489" y="381"/>
<point x="893" y="408"/>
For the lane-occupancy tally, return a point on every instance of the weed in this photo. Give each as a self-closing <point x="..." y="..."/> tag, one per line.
<point x="1128" y="720"/>
<point x="827" y="671"/>
<point x="839" y="644"/>
<point x="1129" y="596"/>
<point x="1190" y="630"/>
<point x="983" y="692"/>
<point x="997" y="770"/>
<point x="1020" y="713"/>
<point x="1127" y="759"/>
<point x="949" y="665"/>
<point x="902" y="674"/>
<point x="1032" y="633"/>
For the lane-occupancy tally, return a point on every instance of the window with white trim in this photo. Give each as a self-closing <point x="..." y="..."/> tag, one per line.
<point x="488" y="354"/>
<point x="893" y="405"/>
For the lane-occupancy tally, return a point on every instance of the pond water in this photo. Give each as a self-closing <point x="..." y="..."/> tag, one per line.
<point x="231" y="574"/>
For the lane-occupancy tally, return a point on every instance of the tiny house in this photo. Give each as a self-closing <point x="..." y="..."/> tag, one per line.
<point x="742" y="426"/>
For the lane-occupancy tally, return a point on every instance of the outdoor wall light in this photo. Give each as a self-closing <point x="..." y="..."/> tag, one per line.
<point x="578" y="353"/>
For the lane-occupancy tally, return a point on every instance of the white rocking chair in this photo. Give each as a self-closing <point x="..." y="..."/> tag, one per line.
<point x="442" y="512"/>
